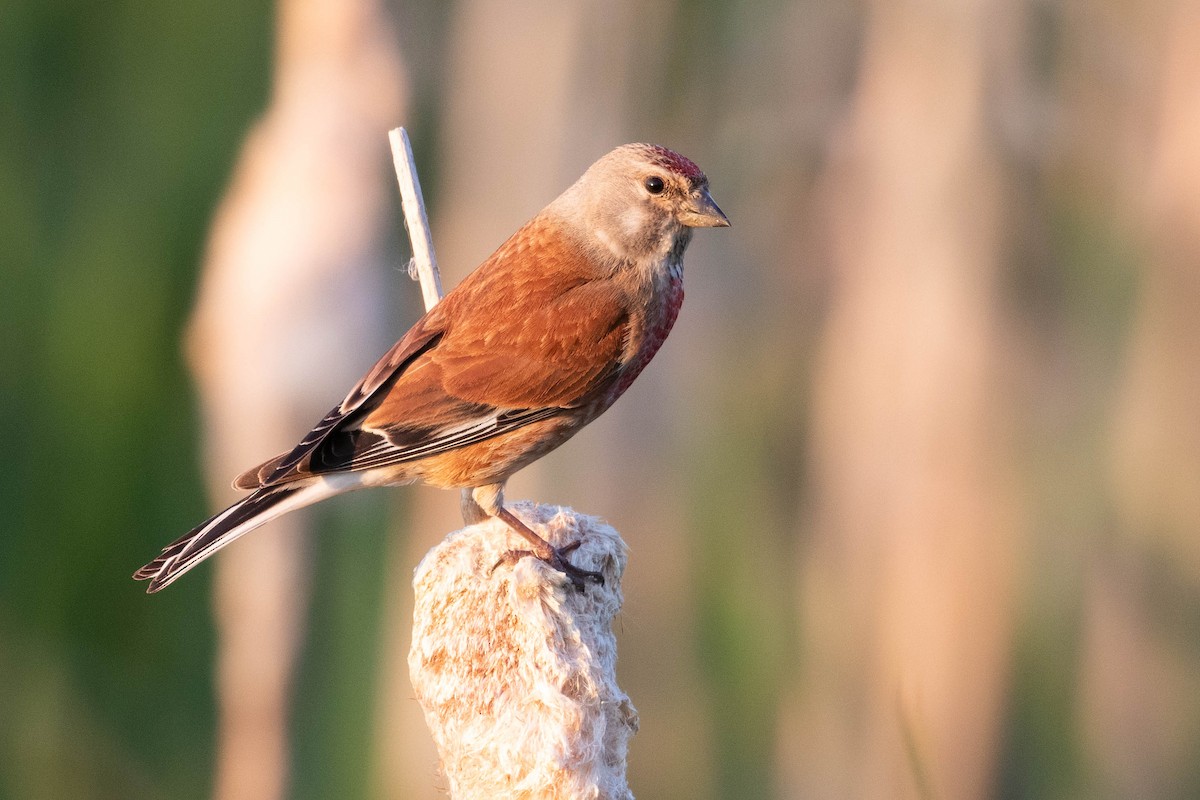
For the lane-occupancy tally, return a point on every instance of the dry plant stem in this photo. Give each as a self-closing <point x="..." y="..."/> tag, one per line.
<point x="415" y="218"/>
<point x="416" y="221"/>
<point x="515" y="671"/>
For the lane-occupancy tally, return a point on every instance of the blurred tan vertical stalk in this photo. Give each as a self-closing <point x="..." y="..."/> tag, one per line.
<point x="535" y="92"/>
<point x="288" y="316"/>
<point x="505" y="91"/>
<point x="908" y="585"/>
<point x="1141" y="711"/>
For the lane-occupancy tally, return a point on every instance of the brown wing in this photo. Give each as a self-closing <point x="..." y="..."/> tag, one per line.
<point x="531" y="332"/>
<point x="545" y="348"/>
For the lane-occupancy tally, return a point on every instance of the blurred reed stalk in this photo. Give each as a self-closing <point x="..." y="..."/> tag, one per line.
<point x="288" y="290"/>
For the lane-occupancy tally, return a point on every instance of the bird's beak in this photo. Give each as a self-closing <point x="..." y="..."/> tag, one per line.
<point x="702" y="212"/>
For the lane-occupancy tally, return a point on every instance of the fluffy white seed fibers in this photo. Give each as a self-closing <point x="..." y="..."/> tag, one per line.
<point x="516" y="670"/>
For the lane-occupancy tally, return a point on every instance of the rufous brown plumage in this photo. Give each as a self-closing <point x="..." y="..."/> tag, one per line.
<point x="534" y="344"/>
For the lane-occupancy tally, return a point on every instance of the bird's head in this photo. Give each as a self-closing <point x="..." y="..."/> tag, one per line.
<point x="640" y="202"/>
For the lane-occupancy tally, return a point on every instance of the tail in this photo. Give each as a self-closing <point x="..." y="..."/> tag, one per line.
<point x="242" y="517"/>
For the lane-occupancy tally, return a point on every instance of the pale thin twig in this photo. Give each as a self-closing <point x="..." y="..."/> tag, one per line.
<point x="415" y="218"/>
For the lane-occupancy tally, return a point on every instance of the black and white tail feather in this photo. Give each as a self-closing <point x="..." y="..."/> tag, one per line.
<point x="277" y="485"/>
<point x="258" y="508"/>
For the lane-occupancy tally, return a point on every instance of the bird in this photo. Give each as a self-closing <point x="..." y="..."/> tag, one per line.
<point x="535" y="343"/>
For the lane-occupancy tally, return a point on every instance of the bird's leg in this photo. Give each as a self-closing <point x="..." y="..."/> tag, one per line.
<point x="490" y="499"/>
<point x="472" y="512"/>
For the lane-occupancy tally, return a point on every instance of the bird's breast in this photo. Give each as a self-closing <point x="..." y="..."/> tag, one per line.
<point x="657" y="322"/>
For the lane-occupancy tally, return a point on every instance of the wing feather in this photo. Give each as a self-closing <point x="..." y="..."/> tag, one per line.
<point x="508" y="347"/>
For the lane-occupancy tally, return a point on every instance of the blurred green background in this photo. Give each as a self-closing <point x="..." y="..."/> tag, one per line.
<point x="912" y="492"/>
<point x="121" y="122"/>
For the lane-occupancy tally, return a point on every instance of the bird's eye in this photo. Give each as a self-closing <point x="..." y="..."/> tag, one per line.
<point x="655" y="185"/>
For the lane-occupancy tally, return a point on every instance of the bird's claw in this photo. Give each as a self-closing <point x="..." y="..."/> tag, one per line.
<point x="557" y="558"/>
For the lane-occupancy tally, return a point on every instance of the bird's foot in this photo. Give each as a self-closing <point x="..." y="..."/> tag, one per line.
<point x="557" y="558"/>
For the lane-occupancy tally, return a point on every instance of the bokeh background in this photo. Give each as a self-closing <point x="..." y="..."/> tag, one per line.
<point x="912" y="491"/>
